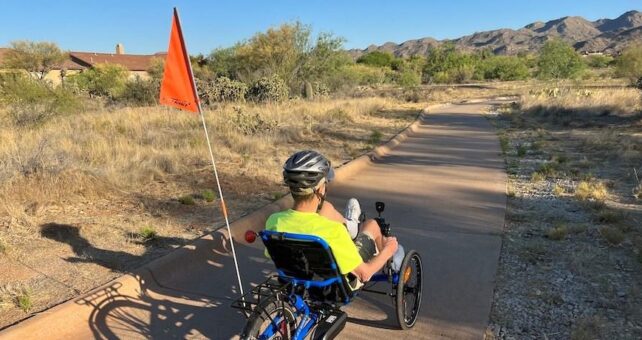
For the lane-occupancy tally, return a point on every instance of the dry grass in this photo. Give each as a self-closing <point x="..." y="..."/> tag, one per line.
<point x="553" y="99"/>
<point x="92" y="153"/>
<point x="591" y="191"/>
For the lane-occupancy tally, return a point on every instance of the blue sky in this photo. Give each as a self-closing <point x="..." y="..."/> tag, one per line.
<point x="143" y="25"/>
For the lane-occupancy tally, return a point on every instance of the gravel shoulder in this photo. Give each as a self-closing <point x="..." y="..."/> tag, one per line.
<point x="571" y="261"/>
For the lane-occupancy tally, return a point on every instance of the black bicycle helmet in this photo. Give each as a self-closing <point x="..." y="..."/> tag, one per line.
<point x="304" y="170"/>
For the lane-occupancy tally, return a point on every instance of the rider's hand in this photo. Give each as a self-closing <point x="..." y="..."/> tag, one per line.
<point x="390" y="245"/>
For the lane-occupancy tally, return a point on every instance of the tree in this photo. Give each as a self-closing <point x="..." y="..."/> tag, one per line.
<point x="223" y="62"/>
<point x="35" y="57"/>
<point x="445" y="64"/>
<point x="559" y="60"/>
<point x="629" y="63"/>
<point x="377" y="58"/>
<point x="103" y="80"/>
<point x="288" y="51"/>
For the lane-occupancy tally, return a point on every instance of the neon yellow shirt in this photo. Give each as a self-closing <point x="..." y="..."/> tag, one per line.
<point x="334" y="233"/>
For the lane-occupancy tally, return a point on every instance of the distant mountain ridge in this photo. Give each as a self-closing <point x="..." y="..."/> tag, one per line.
<point x="608" y="36"/>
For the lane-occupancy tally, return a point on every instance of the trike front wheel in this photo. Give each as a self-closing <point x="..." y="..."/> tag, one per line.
<point x="408" y="292"/>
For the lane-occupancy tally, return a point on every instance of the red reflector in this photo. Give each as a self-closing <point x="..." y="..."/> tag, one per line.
<point x="250" y="236"/>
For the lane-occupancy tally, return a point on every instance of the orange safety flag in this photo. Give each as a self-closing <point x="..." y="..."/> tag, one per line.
<point x="178" y="88"/>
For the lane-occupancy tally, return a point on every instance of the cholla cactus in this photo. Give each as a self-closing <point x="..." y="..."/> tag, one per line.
<point x="221" y="89"/>
<point x="272" y="89"/>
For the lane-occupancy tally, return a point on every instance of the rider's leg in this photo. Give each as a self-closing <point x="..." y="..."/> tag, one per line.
<point x="372" y="227"/>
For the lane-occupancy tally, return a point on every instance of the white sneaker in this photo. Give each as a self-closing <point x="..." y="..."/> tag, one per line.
<point x="352" y="213"/>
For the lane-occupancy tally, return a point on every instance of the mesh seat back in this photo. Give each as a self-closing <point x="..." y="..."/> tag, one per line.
<point x="309" y="258"/>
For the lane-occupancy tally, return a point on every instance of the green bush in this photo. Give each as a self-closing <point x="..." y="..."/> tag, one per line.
<point x="222" y="89"/>
<point x="445" y="64"/>
<point x="31" y="102"/>
<point x="147" y="233"/>
<point x="272" y="89"/>
<point x="408" y="78"/>
<point x="503" y="68"/>
<point x="375" y="137"/>
<point x="140" y="92"/>
<point x="629" y="63"/>
<point x="612" y="235"/>
<point x="599" y="61"/>
<point x="376" y="58"/>
<point x="358" y="74"/>
<point x="208" y="195"/>
<point x="187" y="200"/>
<point x="102" y="80"/>
<point x="558" y="60"/>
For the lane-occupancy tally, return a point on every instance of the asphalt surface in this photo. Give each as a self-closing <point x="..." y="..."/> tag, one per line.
<point x="444" y="189"/>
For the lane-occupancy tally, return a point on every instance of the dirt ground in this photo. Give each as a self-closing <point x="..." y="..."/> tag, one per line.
<point x="571" y="262"/>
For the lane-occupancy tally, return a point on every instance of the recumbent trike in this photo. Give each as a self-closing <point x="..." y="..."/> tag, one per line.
<point x="303" y="300"/>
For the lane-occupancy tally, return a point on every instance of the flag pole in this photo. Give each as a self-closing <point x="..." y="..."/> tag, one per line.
<point x="209" y="146"/>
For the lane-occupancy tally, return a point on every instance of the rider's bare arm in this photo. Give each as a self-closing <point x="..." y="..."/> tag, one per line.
<point x="328" y="210"/>
<point x="365" y="270"/>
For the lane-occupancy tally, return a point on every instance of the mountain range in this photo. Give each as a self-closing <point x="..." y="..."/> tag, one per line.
<point x="607" y="36"/>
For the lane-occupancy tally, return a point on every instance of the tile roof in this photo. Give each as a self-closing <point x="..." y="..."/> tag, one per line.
<point x="132" y="62"/>
<point x="83" y="60"/>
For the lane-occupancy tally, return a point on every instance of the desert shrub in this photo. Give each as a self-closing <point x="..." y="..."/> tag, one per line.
<point x="557" y="60"/>
<point x="222" y="89"/>
<point x="599" y="61"/>
<point x="140" y="92"/>
<point x="503" y="68"/>
<point x="408" y="78"/>
<point x="251" y="124"/>
<point x="375" y="137"/>
<point x="187" y="200"/>
<point x="612" y="235"/>
<point x="629" y="63"/>
<point x="445" y="64"/>
<point x="208" y="195"/>
<point x="591" y="190"/>
<point x="102" y="80"/>
<point x="358" y="74"/>
<point x="609" y="216"/>
<point x="31" y="102"/>
<point x="557" y="233"/>
<point x="558" y="190"/>
<point x="376" y="58"/>
<point x="147" y="233"/>
<point x="272" y="89"/>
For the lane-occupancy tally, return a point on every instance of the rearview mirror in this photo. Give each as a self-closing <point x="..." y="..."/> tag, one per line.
<point x="380" y="206"/>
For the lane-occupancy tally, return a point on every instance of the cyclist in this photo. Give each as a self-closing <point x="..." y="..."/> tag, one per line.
<point x="307" y="174"/>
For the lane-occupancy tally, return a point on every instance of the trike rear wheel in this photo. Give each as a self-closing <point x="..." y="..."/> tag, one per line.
<point x="274" y="319"/>
<point x="408" y="293"/>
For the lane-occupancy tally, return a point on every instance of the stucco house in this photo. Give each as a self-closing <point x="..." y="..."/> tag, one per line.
<point x="136" y="64"/>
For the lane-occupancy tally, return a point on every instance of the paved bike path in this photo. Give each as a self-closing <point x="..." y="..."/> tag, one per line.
<point x="444" y="188"/>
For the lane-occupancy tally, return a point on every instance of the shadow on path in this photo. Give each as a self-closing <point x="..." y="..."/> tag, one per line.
<point x="157" y="307"/>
